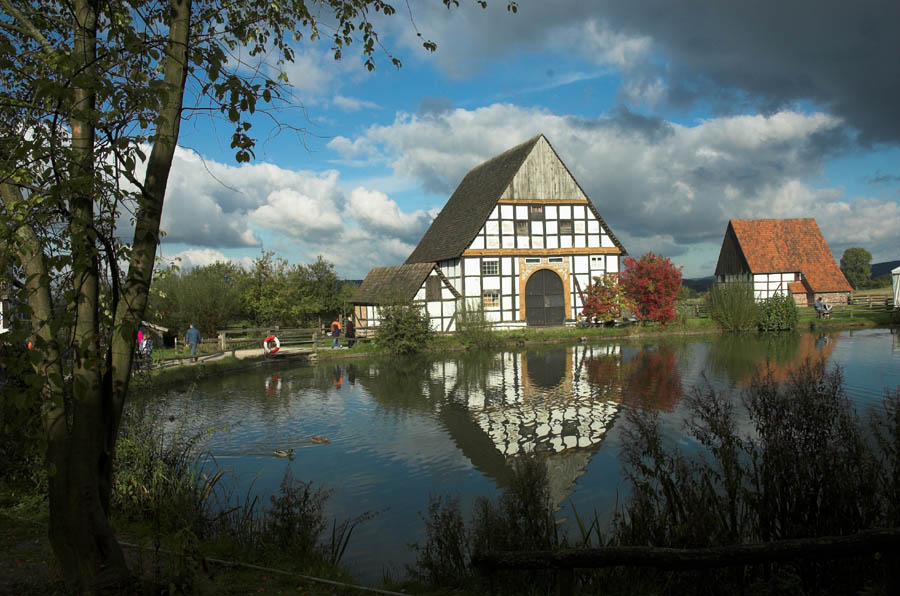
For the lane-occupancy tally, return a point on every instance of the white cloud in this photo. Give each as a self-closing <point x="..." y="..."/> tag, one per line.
<point x="352" y="104"/>
<point x="298" y="215"/>
<point x="665" y="187"/>
<point x="211" y="207"/>
<point x="376" y="212"/>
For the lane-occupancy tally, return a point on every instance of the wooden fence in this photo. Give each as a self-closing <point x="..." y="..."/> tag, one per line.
<point x="565" y="561"/>
<point x="864" y="302"/>
<point x="312" y="337"/>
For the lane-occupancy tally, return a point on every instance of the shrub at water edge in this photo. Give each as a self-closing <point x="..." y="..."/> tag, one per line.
<point x="778" y="313"/>
<point x="405" y="328"/>
<point x="732" y="307"/>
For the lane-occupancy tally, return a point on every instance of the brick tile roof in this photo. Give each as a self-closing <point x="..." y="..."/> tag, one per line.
<point x="796" y="287"/>
<point x="781" y="245"/>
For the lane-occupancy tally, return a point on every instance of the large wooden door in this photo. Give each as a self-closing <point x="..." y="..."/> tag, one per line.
<point x="544" y="301"/>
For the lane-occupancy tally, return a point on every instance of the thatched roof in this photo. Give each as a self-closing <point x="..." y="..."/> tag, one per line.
<point x="386" y="284"/>
<point x="453" y="230"/>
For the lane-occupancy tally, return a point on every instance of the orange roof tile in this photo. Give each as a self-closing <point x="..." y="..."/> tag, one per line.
<point x="796" y="287"/>
<point x="781" y="245"/>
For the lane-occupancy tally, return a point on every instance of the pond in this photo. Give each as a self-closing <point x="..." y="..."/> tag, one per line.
<point x="399" y="430"/>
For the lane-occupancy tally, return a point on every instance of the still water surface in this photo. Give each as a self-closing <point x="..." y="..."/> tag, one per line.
<point x="401" y="429"/>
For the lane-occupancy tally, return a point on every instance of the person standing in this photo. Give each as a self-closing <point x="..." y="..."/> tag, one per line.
<point x="192" y="338"/>
<point x="820" y="307"/>
<point x="336" y="332"/>
<point x="350" y="332"/>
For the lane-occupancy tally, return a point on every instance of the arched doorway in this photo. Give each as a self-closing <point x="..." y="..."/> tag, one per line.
<point x="544" y="300"/>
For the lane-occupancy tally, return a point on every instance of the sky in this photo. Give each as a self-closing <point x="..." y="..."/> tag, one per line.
<point x="673" y="117"/>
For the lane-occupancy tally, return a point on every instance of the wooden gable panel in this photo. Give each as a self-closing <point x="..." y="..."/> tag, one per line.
<point x="543" y="177"/>
<point x="731" y="258"/>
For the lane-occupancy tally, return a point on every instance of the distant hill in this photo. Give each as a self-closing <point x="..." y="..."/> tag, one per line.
<point x="879" y="269"/>
<point x="699" y="284"/>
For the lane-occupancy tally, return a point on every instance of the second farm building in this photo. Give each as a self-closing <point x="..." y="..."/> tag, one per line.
<point x="518" y="236"/>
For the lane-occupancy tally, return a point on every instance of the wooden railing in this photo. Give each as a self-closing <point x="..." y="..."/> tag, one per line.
<point x="565" y="561"/>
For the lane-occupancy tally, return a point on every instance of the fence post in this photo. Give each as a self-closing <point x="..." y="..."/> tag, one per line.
<point x="222" y="341"/>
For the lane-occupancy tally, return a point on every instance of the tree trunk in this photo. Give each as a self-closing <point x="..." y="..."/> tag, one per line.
<point x="83" y="423"/>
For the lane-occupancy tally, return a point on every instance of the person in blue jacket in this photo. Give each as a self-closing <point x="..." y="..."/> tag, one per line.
<point x="192" y="338"/>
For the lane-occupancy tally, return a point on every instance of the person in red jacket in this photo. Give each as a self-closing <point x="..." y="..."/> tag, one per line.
<point x="336" y="332"/>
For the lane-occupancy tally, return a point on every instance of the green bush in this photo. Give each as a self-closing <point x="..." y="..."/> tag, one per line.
<point x="778" y="313"/>
<point x="404" y="329"/>
<point x="732" y="307"/>
<point x="472" y="327"/>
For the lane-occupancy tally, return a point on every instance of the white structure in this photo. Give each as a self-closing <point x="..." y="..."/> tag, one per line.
<point x="518" y="236"/>
<point x="895" y="284"/>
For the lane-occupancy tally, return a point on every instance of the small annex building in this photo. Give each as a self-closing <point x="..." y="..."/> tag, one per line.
<point x="518" y="236"/>
<point x="782" y="256"/>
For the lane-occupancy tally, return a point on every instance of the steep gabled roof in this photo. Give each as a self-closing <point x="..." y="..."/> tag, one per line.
<point x="453" y="230"/>
<point x="780" y="245"/>
<point x="384" y="284"/>
<point x="456" y="226"/>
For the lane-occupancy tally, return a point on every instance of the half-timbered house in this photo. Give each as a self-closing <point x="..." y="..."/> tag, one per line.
<point x="518" y="236"/>
<point x="781" y="256"/>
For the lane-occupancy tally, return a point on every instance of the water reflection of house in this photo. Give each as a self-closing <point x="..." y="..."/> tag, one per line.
<point x="538" y="403"/>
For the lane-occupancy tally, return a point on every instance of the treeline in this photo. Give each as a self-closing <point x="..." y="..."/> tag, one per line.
<point x="271" y="292"/>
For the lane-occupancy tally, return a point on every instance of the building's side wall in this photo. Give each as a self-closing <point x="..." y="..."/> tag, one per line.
<point x="832" y="298"/>
<point x="766" y="285"/>
<point x="440" y="311"/>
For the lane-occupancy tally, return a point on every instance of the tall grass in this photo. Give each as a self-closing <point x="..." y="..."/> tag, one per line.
<point x="522" y="519"/>
<point x="165" y="486"/>
<point x="790" y="460"/>
<point x="472" y="326"/>
<point x="732" y="306"/>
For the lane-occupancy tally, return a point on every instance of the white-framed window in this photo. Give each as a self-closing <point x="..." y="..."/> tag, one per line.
<point x="521" y="228"/>
<point x="532" y="260"/>
<point x="536" y="212"/>
<point x="491" y="267"/>
<point x="555" y="260"/>
<point x="565" y="226"/>
<point x="490" y="298"/>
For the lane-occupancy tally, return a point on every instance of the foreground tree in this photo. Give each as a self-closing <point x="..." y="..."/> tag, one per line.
<point x="92" y="95"/>
<point x="856" y="266"/>
<point x="652" y="283"/>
